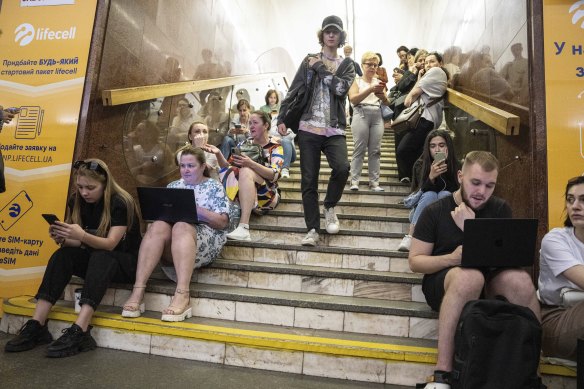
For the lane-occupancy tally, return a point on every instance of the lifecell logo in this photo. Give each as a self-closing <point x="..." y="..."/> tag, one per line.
<point x="26" y="33"/>
<point x="578" y="13"/>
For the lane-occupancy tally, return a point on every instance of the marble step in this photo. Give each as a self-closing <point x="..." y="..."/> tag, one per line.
<point x="330" y="257"/>
<point x="312" y="279"/>
<point x="350" y="208"/>
<point x="345" y="237"/>
<point x="387" y="175"/>
<point x="370" y="197"/>
<point x="353" y="222"/>
<point x="371" y="358"/>
<point x="388" y="183"/>
<point x="389" y="165"/>
<point x="283" y="308"/>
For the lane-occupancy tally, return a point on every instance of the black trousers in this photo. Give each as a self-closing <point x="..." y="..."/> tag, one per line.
<point x="410" y="148"/>
<point x="335" y="150"/>
<point x="98" y="268"/>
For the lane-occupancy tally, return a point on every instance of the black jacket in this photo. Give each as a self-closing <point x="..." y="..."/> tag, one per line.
<point x="342" y="80"/>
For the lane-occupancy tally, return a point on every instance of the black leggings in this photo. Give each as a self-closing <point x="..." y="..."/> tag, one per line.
<point x="410" y="148"/>
<point x="98" y="268"/>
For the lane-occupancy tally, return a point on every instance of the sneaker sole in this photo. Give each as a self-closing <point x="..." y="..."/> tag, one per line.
<point x="27" y="346"/>
<point x="309" y="244"/>
<point x="90" y="345"/>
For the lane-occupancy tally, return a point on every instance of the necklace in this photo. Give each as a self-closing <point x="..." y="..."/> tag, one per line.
<point x="327" y="57"/>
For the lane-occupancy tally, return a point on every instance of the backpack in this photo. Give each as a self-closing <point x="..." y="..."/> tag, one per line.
<point x="497" y="346"/>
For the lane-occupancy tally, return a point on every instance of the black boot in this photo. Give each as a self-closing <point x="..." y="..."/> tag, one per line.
<point x="30" y="335"/>
<point x="73" y="341"/>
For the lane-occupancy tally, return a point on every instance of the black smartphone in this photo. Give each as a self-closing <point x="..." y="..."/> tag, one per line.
<point x="398" y="70"/>
<point x="50" y="218"/>
<point x="238" y="126"/>
<point x="235" y="151"/>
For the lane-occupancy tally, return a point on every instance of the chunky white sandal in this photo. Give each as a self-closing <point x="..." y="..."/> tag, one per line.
<point x="134" y="309"/>
<point x="176" y="314"/>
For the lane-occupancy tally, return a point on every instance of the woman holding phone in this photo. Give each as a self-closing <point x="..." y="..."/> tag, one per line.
<point x="253" y="184"/>
<point x="435" y="174"/>
<point x="366" y="95"/>
<point x="99" y="242"/>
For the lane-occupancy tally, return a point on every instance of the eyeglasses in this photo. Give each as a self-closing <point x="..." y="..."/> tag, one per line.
<point x="371" y="65"/>
<point x="90" y="165"/>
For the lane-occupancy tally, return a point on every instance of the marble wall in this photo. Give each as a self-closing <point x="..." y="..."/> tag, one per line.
<point x="147" y="42"/>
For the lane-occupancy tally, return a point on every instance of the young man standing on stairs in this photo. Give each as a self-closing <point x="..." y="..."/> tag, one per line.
<point x="322" y="126"/>
<point x="436" y="251"/>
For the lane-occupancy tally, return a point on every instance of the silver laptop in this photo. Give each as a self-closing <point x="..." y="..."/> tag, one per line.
<point x="168" y="204"/>
<point x="499" y="242"/>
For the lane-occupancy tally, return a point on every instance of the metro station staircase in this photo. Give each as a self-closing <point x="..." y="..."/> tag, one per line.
<point x="349" y="308"/>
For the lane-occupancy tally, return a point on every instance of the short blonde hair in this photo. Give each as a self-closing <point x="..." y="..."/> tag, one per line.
<point x="421" y="52"/>
<point x="369" y="55"/>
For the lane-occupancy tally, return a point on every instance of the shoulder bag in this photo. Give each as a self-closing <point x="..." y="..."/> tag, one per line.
<point x="253" y="151"/>
<point x="409" y="118"/>
<point x="297" y="106"/>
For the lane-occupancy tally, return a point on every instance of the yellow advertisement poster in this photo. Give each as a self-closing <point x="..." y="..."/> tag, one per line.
<point x="45" y="47"/>
<point x="564" y="78"/>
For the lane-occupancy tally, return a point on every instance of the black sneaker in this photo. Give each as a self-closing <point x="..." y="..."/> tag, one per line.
<point x="73" y="341"/>
<point x="30" y="335"/>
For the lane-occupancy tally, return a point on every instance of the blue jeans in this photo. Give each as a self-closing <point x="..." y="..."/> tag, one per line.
<point x="426" y="199"/>
<point x="289" y="152"/>
<point x="229" y="142"/>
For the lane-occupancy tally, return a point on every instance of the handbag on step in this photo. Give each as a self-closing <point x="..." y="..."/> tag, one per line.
<point x="409" y="118"/>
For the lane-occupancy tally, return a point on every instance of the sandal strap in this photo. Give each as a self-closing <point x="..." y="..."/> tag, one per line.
<point x="182" y="291"/>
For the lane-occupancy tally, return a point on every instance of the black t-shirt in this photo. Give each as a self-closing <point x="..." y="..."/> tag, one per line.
<point x="436" y="225"/>
<point x="91" y="216"/>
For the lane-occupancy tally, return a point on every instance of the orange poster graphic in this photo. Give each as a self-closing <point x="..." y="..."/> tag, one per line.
<point x="45" y="47"/>
<point x="564" y="78"/>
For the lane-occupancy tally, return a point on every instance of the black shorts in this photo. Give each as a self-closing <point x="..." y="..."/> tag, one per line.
<point x="433" y="285"/>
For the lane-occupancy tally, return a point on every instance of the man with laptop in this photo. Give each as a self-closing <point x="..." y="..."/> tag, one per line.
<point x="437" y="251"/>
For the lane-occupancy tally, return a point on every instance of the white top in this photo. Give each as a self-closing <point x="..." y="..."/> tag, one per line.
<point x="433" y="84"/>
<point x="371" y="99"/>
<point x="560" y="250"/>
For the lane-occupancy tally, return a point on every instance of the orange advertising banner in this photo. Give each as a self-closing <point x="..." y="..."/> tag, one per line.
<point x="564" y="83"/>
<point x="45" y="48"/>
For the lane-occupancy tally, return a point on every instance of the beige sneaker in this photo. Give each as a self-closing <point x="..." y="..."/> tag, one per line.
<point x="311" y="239"/>
<point x="331" y="221"/>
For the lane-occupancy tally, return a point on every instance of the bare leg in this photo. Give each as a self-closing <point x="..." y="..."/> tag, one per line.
<point x="460" y="286"/>
<point x="84" y="317"/>
<point x="517" y="287"/>
<point x="247" y="192"/>
<point x="42" y="310"/>
<point x="156" y="238"/>
<point x="184" y="250"/>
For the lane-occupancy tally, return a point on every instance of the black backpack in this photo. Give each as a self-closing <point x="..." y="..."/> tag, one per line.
<point x="497" y="346"/>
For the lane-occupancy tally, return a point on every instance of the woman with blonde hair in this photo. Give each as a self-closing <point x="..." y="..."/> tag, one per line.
<point x="366" y="95"/>
<point x="99" y="242"/>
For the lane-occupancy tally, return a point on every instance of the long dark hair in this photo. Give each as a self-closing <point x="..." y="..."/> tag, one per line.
<point x="571" y="182"/>
<point x="427" y="158"/>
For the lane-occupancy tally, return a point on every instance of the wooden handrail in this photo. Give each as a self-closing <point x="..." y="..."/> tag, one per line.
<point x="132" y="95"/>
<point x="502" y="121"/>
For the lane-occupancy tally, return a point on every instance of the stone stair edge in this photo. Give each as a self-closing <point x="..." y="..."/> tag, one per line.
<point x="322" y="249"/>
<point x="317" y="271"/>
<point x="371" y="234"/>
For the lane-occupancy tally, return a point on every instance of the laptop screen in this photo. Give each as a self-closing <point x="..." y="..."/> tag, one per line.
<point x="499" y="242"/>
<point x="168" y="204"/>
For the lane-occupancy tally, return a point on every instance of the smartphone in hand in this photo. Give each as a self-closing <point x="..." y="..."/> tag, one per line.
<point x="439" y="156"/>
<point x="235" y="151"/>
<point x="50" y="218"/>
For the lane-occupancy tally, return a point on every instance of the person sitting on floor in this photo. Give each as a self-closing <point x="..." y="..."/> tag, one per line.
<point x="99" y="242"/>
<point x="561" y="276"/>
<point x="188" y="246"/>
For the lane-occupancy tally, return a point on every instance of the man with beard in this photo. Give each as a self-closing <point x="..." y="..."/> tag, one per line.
<point x="436" y="251"/>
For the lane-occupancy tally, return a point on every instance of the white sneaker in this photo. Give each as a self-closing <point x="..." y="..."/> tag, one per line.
<point x="436" y="385"/>
<point x="285" y="173"/>
<point x="405" y="243"/>
<point x="374" y="186"/>
<point x="354" y="185"/>
<point x="331" y="220"/>
<point x="240" y="233"/>
<point x="311" y="239"/>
